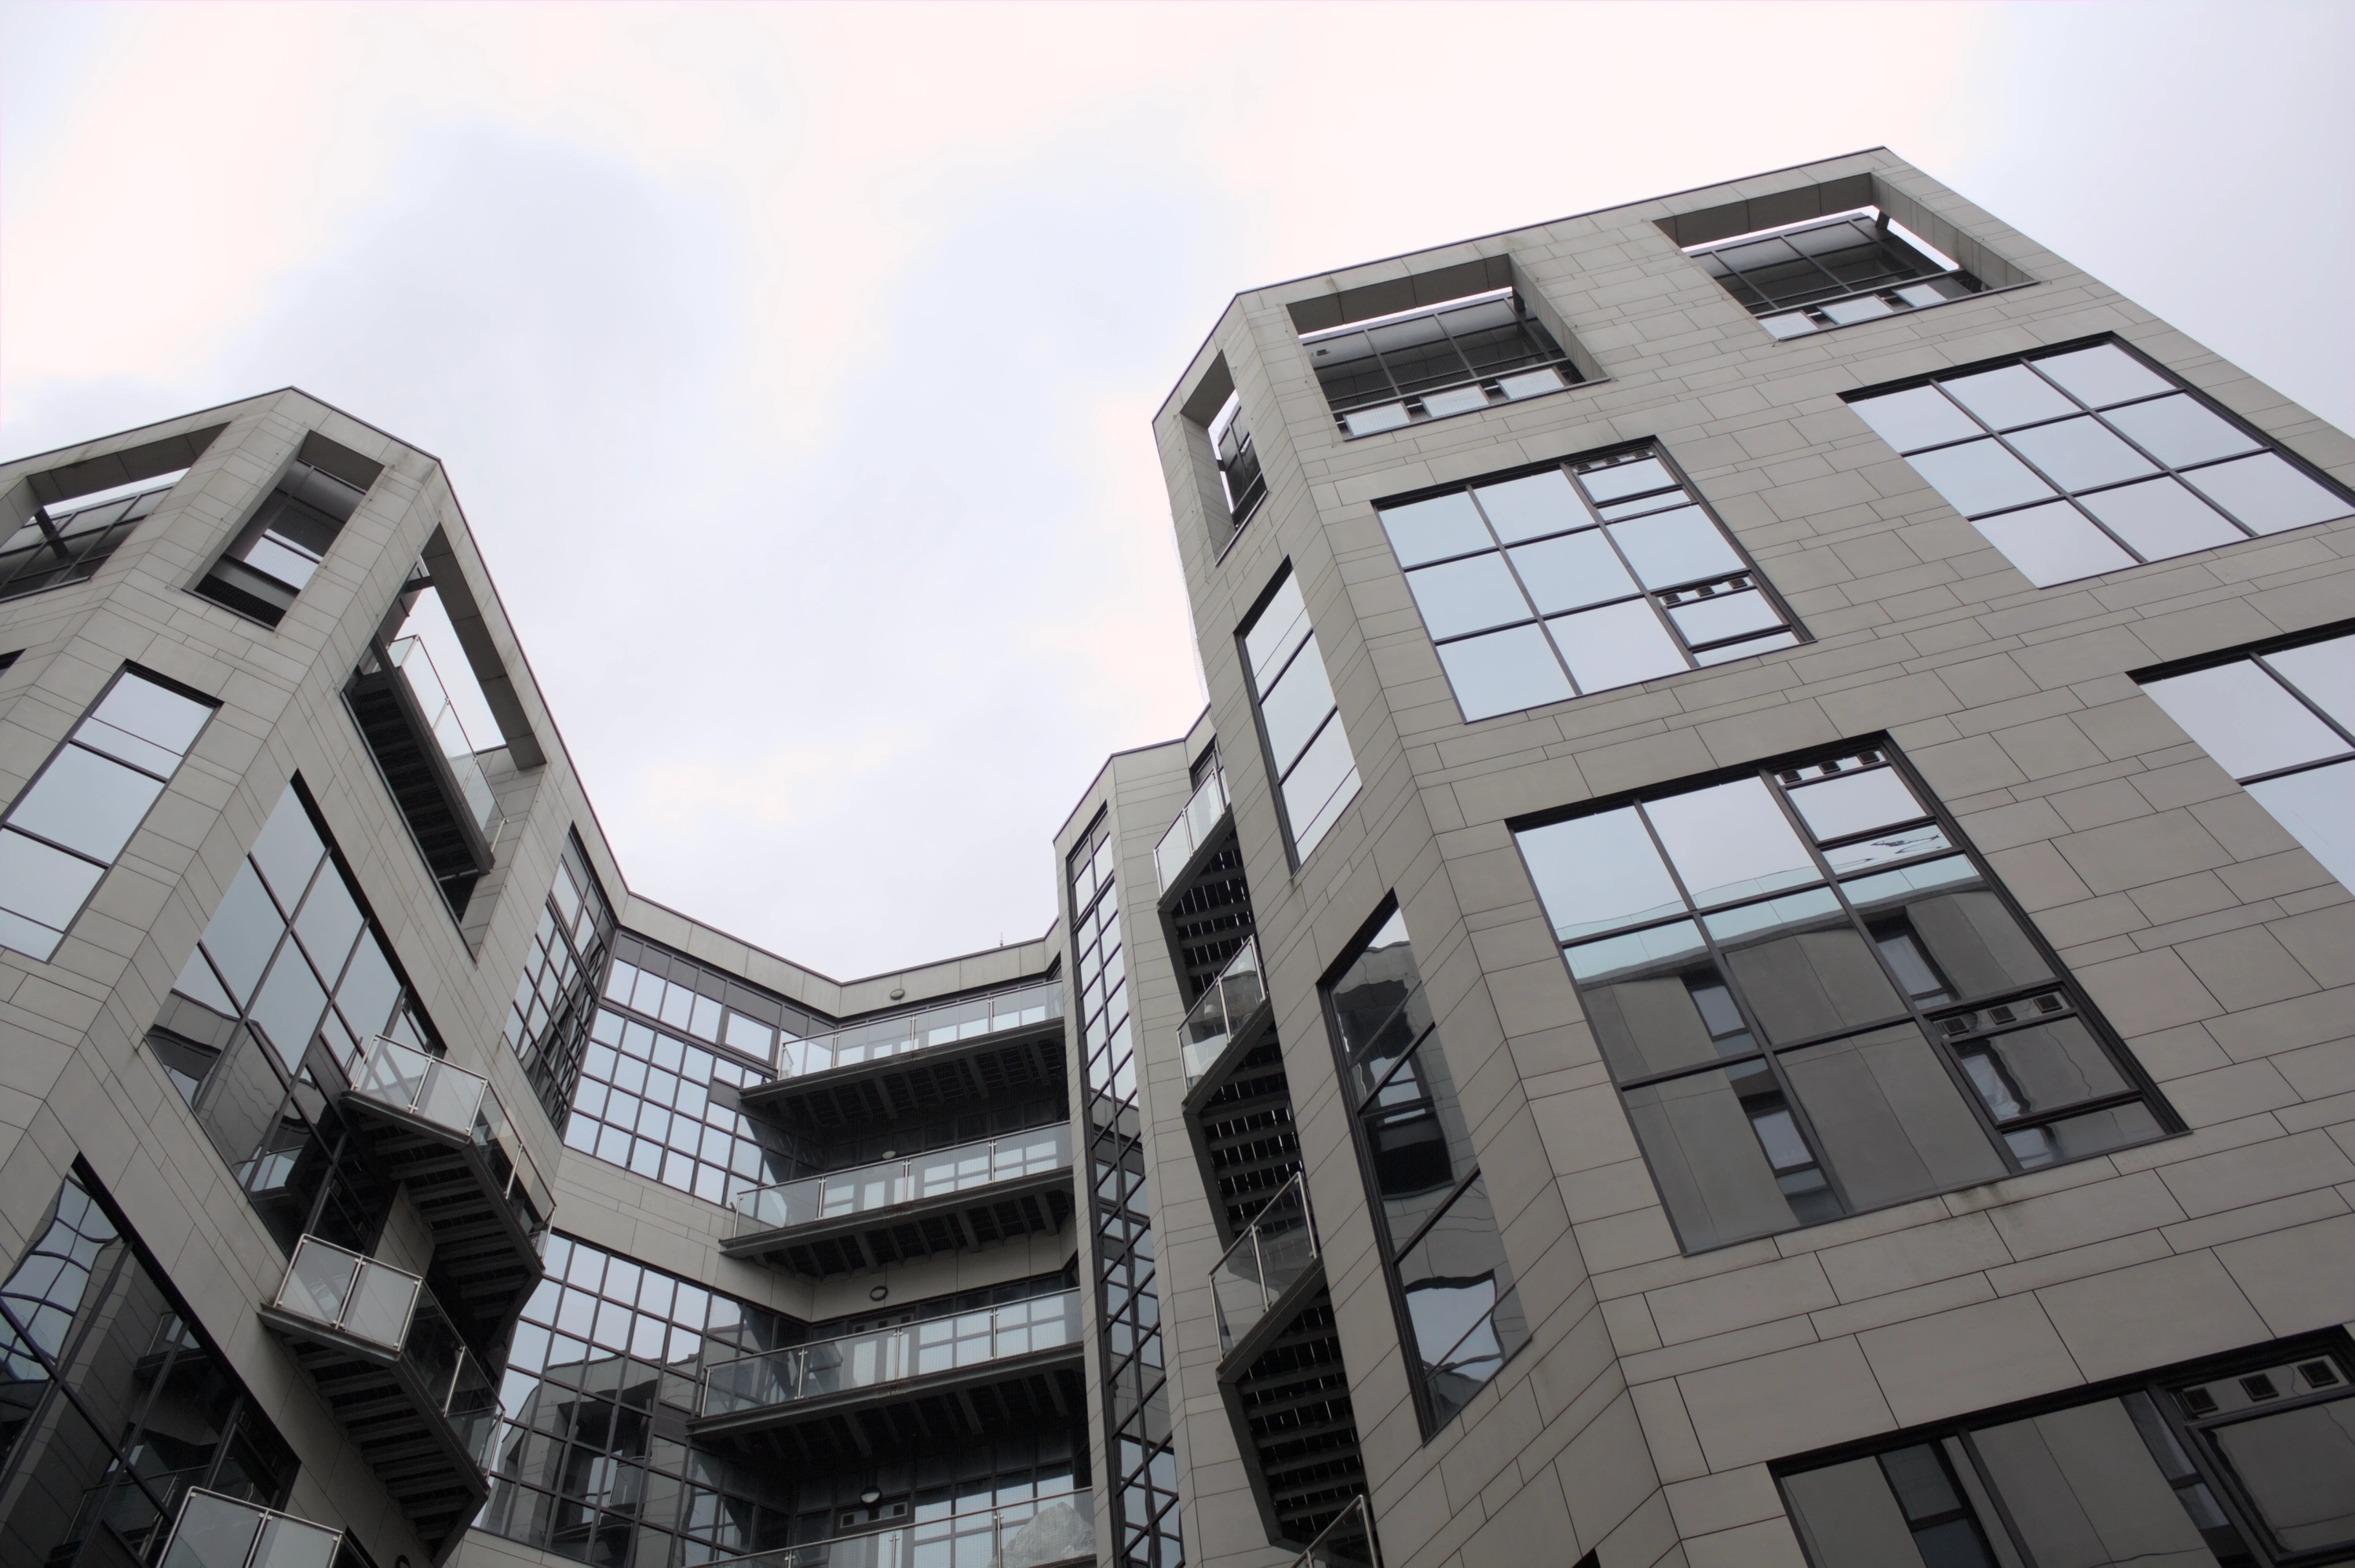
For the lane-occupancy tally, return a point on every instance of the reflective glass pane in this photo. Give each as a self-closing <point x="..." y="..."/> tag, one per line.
<point x="1743" y="650"/>
<point x="1296" y="706"/>
<point x="1596" y="873"/>
<point x="2298" y="1467"/>
<point x="1371" y="421"/>
<point x="1681" y="546"/>
<point x="1961" y="929"/>
<point x="1863" y="308"/>
<point x="1850" y="803"/>
<point x="1460" y="400"/>
<point x="1320" y="788"/>
<point x="1504" y="673"/>
<point x="1459" y="1295"/>
<point x="243" y="932"/>
<point x="1724" y="615"/>
<point x="1850" y="1519"/>
<point x="2160" y="518"/>
<point x="2244" y="719"/>
<point x="152" y="712"/>
<point x="1433" y="530"/>
<point x="1656" y="1001"/>
<point x="1622" y="480"/>
<point x="100" y="735"/>
<point x="1979" y="476"/>
<point x="369" y="990"/>
<point x="1791" y="323"/>
<point x="1803" y="967"/>
<point x="2318" y="808"/>
<point x="1468" y="596"/>
<point x="2325" y="672"/>
<point x="1889" y="1119"/>
<point x="2053" y="544"/>
<point x="1713" y="1171"/>
<point x="1573" y="572"/>
<point x="289" y="1007"/>
<point x="2082" y="1487"/>
<point x="1917" y="417"/>
<point x="2103" y="374"/>
<point x="1729" y="841"/>
<point x="1615" y="645"/>
<point x="288" y="849"/>
<point x="2037" y="1071"/>
<point x="2078" y="1136"/>
<point x="1532" y="507"/>
<point x="2081" y="452"/>
<point x="330" y="922"/>
<point x="1531" y="383"/>
<point x="1282" y="626"/>
<point x="86" y="802"/>
<point x="45" y="884"/>
<point x="2181" y="430"/>
<point x="2267" y="494"/>
<point x="2008" y="398"/>
<point x="1417" y="1141"/>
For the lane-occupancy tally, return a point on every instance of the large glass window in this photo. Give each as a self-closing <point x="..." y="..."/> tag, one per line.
<point x="2093" y="460"/>
<point x="64" y="832"/>
<point x="1815" y="1002"/>
<point x="548" y="1023"/>
<point x="1308" y="751"/>
<point x="1438" y="1230"/>
<point x="2244" y="1463"/>
<point x="2282" y="722"/>
<point x="1443" y="359"/>
<point x="68" y="541"/>
<point x="278" y="550"/>
<point x="1595" y="573"/>
<point x="1833" y="271"/>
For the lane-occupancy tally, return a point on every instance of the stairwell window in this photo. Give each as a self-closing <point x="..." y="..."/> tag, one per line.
<point x="1308" y="751"/>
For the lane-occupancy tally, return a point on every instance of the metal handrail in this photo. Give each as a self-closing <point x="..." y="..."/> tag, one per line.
<point x="1354" y="1522"/>
<point x="349" y="1293"/>
<point x="882" y="1356"/>
<point x="1274" y="1252"/>
<point x="1048" y="1530"/>
<point x="920" y="1031"/>
<point x="1222" y="1008"/>
<point x="1192" y="826"/>
<point x="964" y="1167"/>
<point x="213" y="1529"/>
<point x="432" y="1088"/>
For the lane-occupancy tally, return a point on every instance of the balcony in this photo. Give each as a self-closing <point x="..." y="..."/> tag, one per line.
<point x="1224" y="1018"/>
<point x="406" y="716"/>
<point x="1191" y="834"/>
<point x="949" y="1199"/>
<point x="1271" y="1265"/>
<point x="217" y="1532"/>
<point x="1046" y="1533"/>
<point x="917" y="1064"/>
<point x="441" y="1130"/>
<point x="973" y="1371"/>
<point x="1347" y="1542"/>
<point x="398" y="1378"/>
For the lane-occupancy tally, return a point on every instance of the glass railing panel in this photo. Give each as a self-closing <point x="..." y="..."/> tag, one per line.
<point x="437" y="1357"/>
<point x="1347" y="1542"/>
<point x="1221" y="1009"/>
<point x="1265" y="1261"/>
<point x="890" y="1355"/>
<point x="416" y="665"/>
<point x="1191" y="828"/>
<point x="839" y="1194"/>
<point x="341" y="1290"/>
<point x="918" y="1031"/>
<point x="425" y="1086"/>
<point x="217" y="1532"/>
<point x="1032" y="1534"/>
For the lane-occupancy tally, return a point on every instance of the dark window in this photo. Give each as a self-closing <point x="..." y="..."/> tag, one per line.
<point x="548" y="1023"/>
<point x="1833" y="271"/>
<point x="1814" y="1001"/>
<point x="1595" y="573"/>
<point x="1438" y="1231"/>
<point x="2245" y="1463"/>
<point x="1448" y="358"/>
<point x="278" y="550"/>
<point x="72" y="822"/>
<point x="1239" y="471"/>
<point x="1308" y="751"/>
<point x="2282" y="722"/>
<point x="2093" y="460"/>
<point x="68" y="541"/>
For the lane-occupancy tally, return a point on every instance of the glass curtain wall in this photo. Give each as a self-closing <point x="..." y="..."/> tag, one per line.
<point x="1136" y="1398"/>
<point x="548" y="1023"/>
<point x="1308" y="751"/>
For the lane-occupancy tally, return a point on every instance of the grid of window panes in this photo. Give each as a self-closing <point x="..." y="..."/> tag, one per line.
<point x="1428" y="363"/>
<point x="289" y="981"/>
<point x="2093" y="460"/>
<point x="1240" y="475"/>
<point x="275" y="555"/>
<point x="602" y="1379"/>
<point x="1856" y="267"/>
<point x="1136" y="1395"/>
<point x="68" y="541"/>
<point x="63" y="833"/>
<point x="548" y="1023"/>
<point x="2243" y="1462"/>
<point x="2282" y="722"/>
<point x="94" y="1459"/>
<point x="1596" y="573"/>
<point x="1315" y="772"/>
<point x="1438" y="1229"/>
<point x="1814" y="1001"/>
<point x="668" y="1054"/>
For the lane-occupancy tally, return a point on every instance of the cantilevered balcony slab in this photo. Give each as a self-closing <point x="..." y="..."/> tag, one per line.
<point x="947" y="1200"/>
<point x="441" y="1130"/>
<point x="957" y="1377"/>
<point x="398" y="1378"/>
<point x="915" y="1066"/>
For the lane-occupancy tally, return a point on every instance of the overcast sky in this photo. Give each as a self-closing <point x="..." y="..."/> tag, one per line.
<point x="795" y="364"/>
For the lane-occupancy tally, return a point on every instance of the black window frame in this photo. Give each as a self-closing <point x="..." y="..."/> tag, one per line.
<point x="1900" y="248"/>
<point x="1279" y="774"/>
<point x="75" y="555"/>
<point x="1410" y="393"/>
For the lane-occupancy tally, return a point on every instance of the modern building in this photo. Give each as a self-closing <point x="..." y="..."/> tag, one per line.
<point x="1751" y="963"/>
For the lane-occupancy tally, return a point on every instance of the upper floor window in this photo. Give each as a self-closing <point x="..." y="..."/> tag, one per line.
<point x="2092" y="459"/>
<point x="1442" y="359"/>
<point x="68" y="541"/>
<point x="279" y="547"/>
<point x="2282" y="722"/>
<point x="1814" y="1001"/>
<point x="1315" y="772"/>
<point x="1833" y="271"/>
<point x="1594" y="573"/>
<point x="1239" y="471"/>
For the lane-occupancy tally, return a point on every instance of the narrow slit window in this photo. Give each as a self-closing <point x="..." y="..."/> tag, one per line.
<point x="1308" y="751"/>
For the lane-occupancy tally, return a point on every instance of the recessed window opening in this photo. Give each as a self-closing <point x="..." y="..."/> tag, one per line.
<point x="1308" y="752"/>
<point x="67" y="541"/>
<point x="278" y="550"/>
<point x="1461" y="355"/>
<point x="2091" y="460"/>
<point x="1239" y="471"/>
<point x="1833" y="271"/>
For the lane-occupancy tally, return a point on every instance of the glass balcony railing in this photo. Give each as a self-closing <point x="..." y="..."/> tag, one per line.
<point x="1032" y="1534"/>
<point x="843" y="1194"/>
<point x="369" y="1301"/>
<point x="410" y="657"/>
<point x="1221" y="1010"/>
<point x="920" y="1031"/>
<point x="1193" y="827"/>
<point x="883" y="1356"/>
<point x="217" y="1532"/>
<point x="405" y="1079"/>
<point x="1347" y="1542"/>
<point x="1265" y="1261"/>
